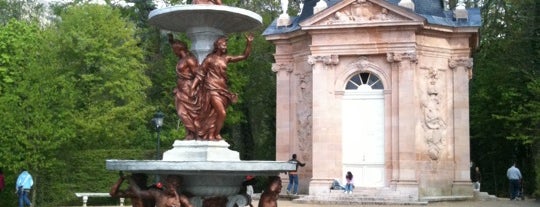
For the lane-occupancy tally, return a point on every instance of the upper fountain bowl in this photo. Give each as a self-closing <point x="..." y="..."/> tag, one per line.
<point x="181" y="18"/>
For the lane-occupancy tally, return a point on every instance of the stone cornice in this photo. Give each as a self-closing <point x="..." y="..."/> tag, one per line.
<point x="326" y="59"/>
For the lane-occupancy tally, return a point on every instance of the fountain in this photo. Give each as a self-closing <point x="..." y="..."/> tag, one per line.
<point x="207" y="167"/>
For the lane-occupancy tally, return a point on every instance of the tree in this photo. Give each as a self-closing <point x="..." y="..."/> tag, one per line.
<point x="504" y="92"/>
<point x="98" y="51"/>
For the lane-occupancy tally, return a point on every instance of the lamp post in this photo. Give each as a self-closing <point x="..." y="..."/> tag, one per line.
<point x="158" y="122"/>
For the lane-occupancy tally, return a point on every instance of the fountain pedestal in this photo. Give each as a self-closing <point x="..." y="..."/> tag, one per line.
<point x="208" y="168"/>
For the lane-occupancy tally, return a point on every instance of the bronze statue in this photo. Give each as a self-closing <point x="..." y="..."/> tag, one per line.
<point x="202" y="94"/>
<point x="185" y="100"/>
<point x="270" y="195"/>
<point x="168" y="197"/>
<point x="139" y="179"/>
<point x="212" y="74"/>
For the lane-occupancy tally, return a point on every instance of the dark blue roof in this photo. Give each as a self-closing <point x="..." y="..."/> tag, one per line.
<point x="432" y="10"/>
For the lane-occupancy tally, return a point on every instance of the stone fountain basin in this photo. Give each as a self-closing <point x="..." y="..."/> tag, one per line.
<point x="227" y="19"/>
<point x="205" y="178"/>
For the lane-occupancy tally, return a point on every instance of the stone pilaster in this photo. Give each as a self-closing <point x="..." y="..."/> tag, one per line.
<point x="462" y="67"/>
<point x="404" y="65"/>
<point x="283" y="119"/>
<point x="322" y="96"/>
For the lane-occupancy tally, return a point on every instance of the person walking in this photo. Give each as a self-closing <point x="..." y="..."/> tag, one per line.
<point x="23" y="186"/>
<point x="476" y="178"/>
<point x="293" y="176"/>
<point x="350" y="184"/>
<point x="514" y="176"/>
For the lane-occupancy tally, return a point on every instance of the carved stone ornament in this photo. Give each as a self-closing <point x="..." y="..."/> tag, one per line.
<point x="286" y="67"/>
<point x="465" y="62"/>
<point x="398" y="57"/>
<point x="362" y="63"/>
<point x="360" y="11"/>
<point x="327" y="59"/>
<point x="433" y="121"/>
<point x="304" y="114"/>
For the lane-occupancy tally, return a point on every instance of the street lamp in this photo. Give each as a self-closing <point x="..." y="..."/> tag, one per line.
<point x="158" y="122"/>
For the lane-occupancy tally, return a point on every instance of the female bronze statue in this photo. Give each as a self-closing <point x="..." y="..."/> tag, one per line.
<point x="212" y="76"/>
<point x="185" y="99"/>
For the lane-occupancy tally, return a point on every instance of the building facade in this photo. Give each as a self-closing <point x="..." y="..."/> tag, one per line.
<point x="378" y="88"/>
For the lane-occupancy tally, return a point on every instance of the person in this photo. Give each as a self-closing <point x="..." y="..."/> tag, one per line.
<point x="271" y="194"/>
<point x="2" y="180"/>
<point x="168" y="197"/>
<point x="293" y="176"/>
<point x="186" y="102"/>
<point x="23" y="185"/>
<point x="349" y="185"/>
<point x="336" y="185"/>
<point x="476" y="178"/>
<point x="514" y="176"/>
<point x="139" y="180"/>
<point x="213" y="76"/>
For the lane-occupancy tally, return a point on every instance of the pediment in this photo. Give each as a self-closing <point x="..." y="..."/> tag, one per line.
<point x="362" y="12"/>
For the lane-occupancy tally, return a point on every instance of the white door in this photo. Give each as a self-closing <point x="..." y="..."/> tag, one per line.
<point x="363" y="136"/>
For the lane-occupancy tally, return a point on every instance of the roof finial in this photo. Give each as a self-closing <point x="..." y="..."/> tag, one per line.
<point x="461" y="12"/>
<point x="407" y="4"/>
<point x="321" y="5"/>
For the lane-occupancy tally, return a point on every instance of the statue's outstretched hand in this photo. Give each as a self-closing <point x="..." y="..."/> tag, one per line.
<point x="249" y="37"/>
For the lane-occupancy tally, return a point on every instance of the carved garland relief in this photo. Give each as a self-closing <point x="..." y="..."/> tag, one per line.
<point x="433" y="122"/>
<point x="303" y="113"/>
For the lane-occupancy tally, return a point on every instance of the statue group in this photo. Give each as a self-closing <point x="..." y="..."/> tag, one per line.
<point x="202" y="94"/>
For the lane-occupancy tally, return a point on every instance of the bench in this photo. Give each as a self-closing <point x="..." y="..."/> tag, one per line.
<point x="85" y="197"/>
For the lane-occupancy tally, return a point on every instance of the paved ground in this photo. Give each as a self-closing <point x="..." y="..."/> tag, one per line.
<point x="499" y="203"/>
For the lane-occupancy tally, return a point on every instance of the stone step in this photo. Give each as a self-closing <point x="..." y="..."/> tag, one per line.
<point x="484" y="196"/>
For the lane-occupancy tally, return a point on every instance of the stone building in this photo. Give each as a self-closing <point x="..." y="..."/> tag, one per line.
<point x="379" y="88"/>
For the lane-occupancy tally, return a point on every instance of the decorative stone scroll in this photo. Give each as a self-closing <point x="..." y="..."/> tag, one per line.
<point x="360" y="11"/>
<point x="286" y="67"/>
<point x="362" y="63"/>
<point x="326" y="59"/>
<point x="401" y="60"/>
<point x="462" y="62"/>
<point x="433" y="122"/>
<point x="399" y="57"/>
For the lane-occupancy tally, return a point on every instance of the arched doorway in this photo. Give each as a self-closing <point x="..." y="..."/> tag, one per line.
<point x="363" y="130"/>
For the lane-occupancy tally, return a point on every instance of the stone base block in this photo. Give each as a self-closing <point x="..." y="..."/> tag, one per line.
<point x="193" y="150"/>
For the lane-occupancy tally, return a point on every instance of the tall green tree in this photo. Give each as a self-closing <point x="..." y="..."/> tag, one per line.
<point x="98" y="51"/>
<point x="504" y="93"/>
<point x="36" y="105"/>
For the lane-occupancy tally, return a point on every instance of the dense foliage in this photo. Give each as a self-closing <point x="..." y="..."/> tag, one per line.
<point x="505" y="94"/>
